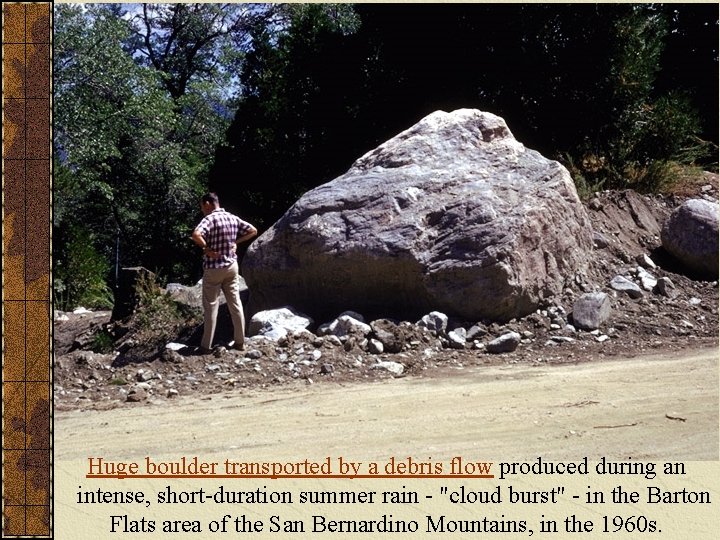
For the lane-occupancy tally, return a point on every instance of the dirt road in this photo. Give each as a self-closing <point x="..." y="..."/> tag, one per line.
<point x="654" y="407"/>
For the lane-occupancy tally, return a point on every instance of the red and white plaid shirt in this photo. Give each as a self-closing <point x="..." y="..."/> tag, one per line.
<point x="221" y="230"/>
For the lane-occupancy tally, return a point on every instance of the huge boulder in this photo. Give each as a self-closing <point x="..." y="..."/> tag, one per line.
<point x="691" y="236"/>
<point x="452" y="214"/>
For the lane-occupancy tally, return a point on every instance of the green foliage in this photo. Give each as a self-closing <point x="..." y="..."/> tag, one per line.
<point x="585" y="173"/>
<point x="79" y="273"/>
<point x="644" y="134"/>
<point x="157" y="318"/>
<point x="102" y="342"/>
<point x="155" y="308"/>
<point x="623" y="92"/>
<point x="141" y="103"/>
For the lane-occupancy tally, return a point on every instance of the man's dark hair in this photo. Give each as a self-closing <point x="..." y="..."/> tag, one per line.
<point x="211" y="198"/>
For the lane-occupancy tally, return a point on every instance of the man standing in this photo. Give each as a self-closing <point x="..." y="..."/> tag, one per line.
<point x="218" y="234"/>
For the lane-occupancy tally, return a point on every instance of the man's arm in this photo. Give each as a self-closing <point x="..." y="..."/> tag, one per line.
<point x="247" y="236"/>
<point x="198" y="239"/>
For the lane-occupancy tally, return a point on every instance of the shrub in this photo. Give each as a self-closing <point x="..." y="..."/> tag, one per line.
<point x="102" y="342"/>
<point x="80" y="273"/>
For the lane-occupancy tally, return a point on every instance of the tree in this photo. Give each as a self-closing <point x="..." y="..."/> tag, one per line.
<point x="295" y="101"/>
<point x="650" y="129"/>
<point x="117" y="130"/>
<point x="142" y="100"/>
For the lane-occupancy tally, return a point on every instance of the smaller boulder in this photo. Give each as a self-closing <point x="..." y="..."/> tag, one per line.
<point x="504" y="344"/>
<point x="346" y="325"/>
<point x="666" y="287"/>
<point x="136" y="394"/>
<point x="623" y="284"/>
<point x="457" y="338"/>
<point x="476" y="331"/>
<point x="690" y="235"/>
<point x="645" y="261"/>
<point x="278" y="323"/>
<point x="375" y="347"/>
<point x="388" y="334"/>
<point x="647" y="280"/>
<point x="393" y="367"/>
<point x="591" y="310"/>
<point x="435" y="321"/>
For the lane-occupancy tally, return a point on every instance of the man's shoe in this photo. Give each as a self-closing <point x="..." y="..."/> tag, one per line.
<point x="238" y="346"/>
<point x="203" y="350"/>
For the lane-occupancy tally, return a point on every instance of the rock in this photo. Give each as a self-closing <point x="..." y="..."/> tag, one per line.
<point x="537" y="320"/>
<point x="503" y="344"/>
<point x="691" y="236"/>
<point x="591" y="310"/>
<point x="434" y="321"/>
<point x="622" y="284"/>
<point x="595" y="204"/>
<point x="81" y="311"/>
<point x="85" y="340"/>
<point x="645" y="261"/>
<point x="275" y="324"/>
<point x="345" y="325"/>
<point x="393" y="367"/>
<point x="599" y="240"/>
<point x="647" y="280"/>
<point x="168" y="355"/>
<point x="475" y="331"/>
<point x="171" y="393"/>
<point x="333" y="341"/>
<point x="273" y="333"/>
<point x="136" y="394"/>
<point x="189" y="296"/>
<point x="143" y="375"/>
<point x="354" y="314"/>
<point x="60" y="316"/>
<point x="457" y="338"/>
<point x="452" y="214"/>
<point x="253" y="354"/>
<point x="175" y="346"/>
<point x="389" y="334"/>
<point x="192" y="296"/>
<point x="327" y="369"/>
<point x="375" y="347"/>
<point x="666" y="287"/>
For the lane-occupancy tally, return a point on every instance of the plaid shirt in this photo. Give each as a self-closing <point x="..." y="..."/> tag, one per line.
<point x="221" y="229"/>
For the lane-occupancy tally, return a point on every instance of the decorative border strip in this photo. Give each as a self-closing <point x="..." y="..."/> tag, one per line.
<point x="27" y="270"/>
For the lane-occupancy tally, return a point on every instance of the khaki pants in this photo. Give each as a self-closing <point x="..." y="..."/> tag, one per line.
<point x="225" y="279"/>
